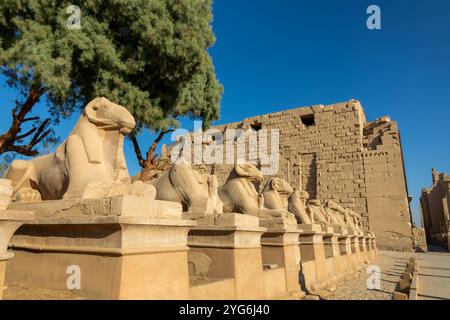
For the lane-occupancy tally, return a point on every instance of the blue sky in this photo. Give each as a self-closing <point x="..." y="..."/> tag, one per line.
<point x="275" y="55"/>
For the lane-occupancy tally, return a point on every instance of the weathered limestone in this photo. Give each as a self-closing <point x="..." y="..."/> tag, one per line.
<point x="130" y="206"/>
<point x="5" y="193"/>
<point x="10" y="221"/>
<point x="435" y="204"/>
<point x="318" y="212"/>
<point x="93" y="153"/>
<point x="276" y="193"/>
<point x="312" y="252"/>
<point x="337" y="214"/>
<point x="239" y="195"/>
<point x="195" y="191"/>
<point x="338" y="251"/>
<point x="297" y="206"/>
<point x="332" y="152"/>
<point x="420" y="239"/>
<point x="330" y="259"/>
<point x="280" y="247"/>
<point x="356" y="251"/>
<point x="233" y="242"/>
<point x="120" y="255"/>
<point x="344" y="264"/>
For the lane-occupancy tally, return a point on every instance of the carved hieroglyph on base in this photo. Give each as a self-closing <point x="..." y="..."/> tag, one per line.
<point x="93" y="152"/>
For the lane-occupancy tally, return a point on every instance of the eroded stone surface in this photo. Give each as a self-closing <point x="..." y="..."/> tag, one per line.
<point x="93" y="152"/>
<point x="197" y="192"/>
<point x="435" y="203"/>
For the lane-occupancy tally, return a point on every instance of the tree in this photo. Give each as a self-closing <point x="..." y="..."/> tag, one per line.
<point x="149" y="56"/>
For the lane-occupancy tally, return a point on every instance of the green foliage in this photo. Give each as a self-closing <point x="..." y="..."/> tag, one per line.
<point x="148" y="55"/>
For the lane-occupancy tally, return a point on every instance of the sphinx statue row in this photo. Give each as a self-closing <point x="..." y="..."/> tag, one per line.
<point x="90" y="163"/>
<point x="200" y="193"/>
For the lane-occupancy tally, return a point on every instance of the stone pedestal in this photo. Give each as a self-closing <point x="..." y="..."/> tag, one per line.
<point x="366" y="248"/>
<point x="280" y="247"/>
<point x="10" y="221"/>
<point x="348" y="243"/>
<point x="356" y="250"/>
<point x="339" y="252"/>
<point x="373" y="246"/>
<point x="362" y="253"/>
<point x="233" y="244"/>
<point x="345" y="258"/>
<point x="312" y="252"/>
<point x="121" y="256"/>
<point x="123" y="206"/>
<point x="331" y="262"/>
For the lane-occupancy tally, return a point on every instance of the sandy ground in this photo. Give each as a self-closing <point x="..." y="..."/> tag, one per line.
<point x="392" y="265"/>
<point x="19" y="292"/>
<point x="356" y="287"/>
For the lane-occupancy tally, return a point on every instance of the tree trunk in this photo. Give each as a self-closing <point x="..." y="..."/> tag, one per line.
<point x="8" y="139"/>
<point x="151" y="165"/>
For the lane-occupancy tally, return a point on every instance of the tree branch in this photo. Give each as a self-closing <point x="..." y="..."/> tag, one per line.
<point x="8" y="139"/>
<point x="41" y="133"/>
<point x="30" y="119"/>
<point x="137" y="150"/>
<point x="150" y="156"/>
<point x="151" y="164"/>
<point x="28" y="133"/>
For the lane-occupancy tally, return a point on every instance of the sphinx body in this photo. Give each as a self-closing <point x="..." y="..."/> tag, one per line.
<point x="197" y="192"/>
<point x="354" y="221"/>
<point x="239" y="194"/>
<point x="337" y="213"/>
<point x="93" y="152"/>
<point x="276" y="195"/>
<point x="318" y="212"/>
<point x="297" y="205"/>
